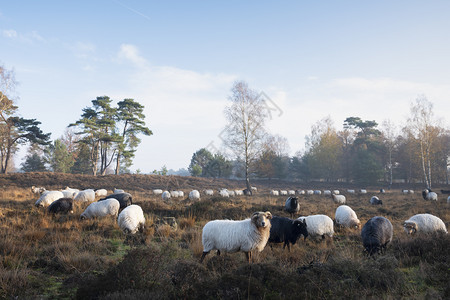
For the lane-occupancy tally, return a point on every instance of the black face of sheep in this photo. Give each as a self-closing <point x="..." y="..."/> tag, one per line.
<point x="287" y="230"/>
<point x="125" y="199"/>
<point x="292" y="206"/>
<point x="63" y="205"/>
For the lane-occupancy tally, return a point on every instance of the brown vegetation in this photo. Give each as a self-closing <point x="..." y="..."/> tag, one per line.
<point x="45" y="256"/>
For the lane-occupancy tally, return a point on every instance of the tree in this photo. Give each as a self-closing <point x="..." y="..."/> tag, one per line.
<point x="389" y="137"/>
<point x="7" y="87"/>
<point x="422" y="127"/>
<point x="199" y="162"/>
<point x="59" y="158"/>
<point x="19" y="131"/>
<point x="130" y="115"/>
<point x="82" y="163"/>
<point x="34" y="161"/>
<point x="245" y="131"/>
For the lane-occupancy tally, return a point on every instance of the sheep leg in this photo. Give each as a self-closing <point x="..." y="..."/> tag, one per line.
<point x="203" y="256"/>
<point x="218" y="252"/>
<point x="248" y="255"/>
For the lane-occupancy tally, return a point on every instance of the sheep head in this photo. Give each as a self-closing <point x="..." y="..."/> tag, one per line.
<point x="300" y="228"/>
<point x="261" y="219"/>
<point x="410" y="227"/>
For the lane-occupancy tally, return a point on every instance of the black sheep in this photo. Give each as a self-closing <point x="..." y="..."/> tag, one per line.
<point x="376" y="234"/>
<point x="63" y="205"/>
<point x="125" y="199"/>
<point x="286" y="230"/>
<point x="292" y="205"/>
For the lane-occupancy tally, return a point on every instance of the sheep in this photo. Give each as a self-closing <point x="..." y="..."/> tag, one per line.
<point x="118" y="191"/>
<point x="232" y="236"/>
<point x="231" y="193"/>
<point x="339" y="199"/>
<point x="301" y="192"/>
<point x="208" y="192"/>
<point x="38" y="190"/>
<point x="69" y="193"/>
<point x="254" y="189"/>
<point x="405" y="192"/>
<point x="239" y="192"/>
<point x="317" y="192"/>
<point x="131" y="219"/>
<point x="351" y="191"/>
<point x="363" y="191"/>
<point x="445" y="191"/>
<point x="174" y="194"/>
<point x="345" y="216"/>
<point x="48" y="197"/>
<point x="291" y="192"/>
<point x="181" y="194"/>
<point x="327" y="192"/>
<point x="319" y="226"/>
<point x="157" y="191"/>
<point x="108" y="207"/>
<point x="62" y="205"/>
<point x="382" y="191"/>
<point x="194" y="195"/>
<point x="376" y="234"/>
<point x="224" y="193"/>
<point x="287" y="230"/>
<point x="85" y="196"/>
<point x="376" y="201"/>
<point x="410" y="191"/>
<point x="247" y="192"/>
<point x="283" y="193"/>
<point x="166" y="195"/>
<point x="101" y="193"/>
<point x="125" y="199"/>
<point x="427" y="194"/>
<point x="274" y="193"/>
<point x="425" y="223"/>
<point x="292" y="205"/>
<point x="309" y="192"/>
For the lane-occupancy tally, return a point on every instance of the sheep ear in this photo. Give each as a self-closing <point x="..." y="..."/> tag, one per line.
<point x="254" y="216"/>
<point x="268" y="215"/>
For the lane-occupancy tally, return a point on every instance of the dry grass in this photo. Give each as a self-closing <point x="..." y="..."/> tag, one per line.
<point x="48" y="256"/>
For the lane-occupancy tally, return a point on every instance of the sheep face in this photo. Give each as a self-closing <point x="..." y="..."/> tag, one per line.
<point x="300" y="228"/>
<point x="262" y="219"/>
<point x="410" y="227"/>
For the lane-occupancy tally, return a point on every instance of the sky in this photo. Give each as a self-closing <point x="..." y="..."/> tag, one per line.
<point x="311" y="59"/>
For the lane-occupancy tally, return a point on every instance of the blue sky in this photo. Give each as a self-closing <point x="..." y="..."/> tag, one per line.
<point x="314" y="59"/>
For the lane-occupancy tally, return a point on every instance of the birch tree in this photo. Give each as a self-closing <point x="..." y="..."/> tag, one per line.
<point x="245" y="131"/>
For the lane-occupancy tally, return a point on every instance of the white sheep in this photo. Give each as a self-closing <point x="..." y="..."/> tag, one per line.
<point x="363" y="191"/>
<point x="224" y="193"/>
<point x="166" y="195"/>
<point x="427" y="194"/>
<point x="291" y="192"/>
<point x="317" y="192"/>
<point x="118" y="191"/>
<point x="351" y="191"/>
<point x="231" y="193"/>
<point x="157" y="192"/>
<point x="327" y="192"/>
<point x="69" y="194"/>
<point x="232" y="236"/>
<point x="194" y="195"/>
<point x="254" y="189"/>
<point x="101" y="193"/>
<point x="48" y="197"/>
<point x="274" y="193"/>
<point x="108" y="207"/>
<point x="180" y="194"/>
<point x="339" y="199"/>
<point x="301" y="192"/>
<point x="425" y="223"/>
<point x="283" y="193"/>
<point x="319" y="226"/>
<point x="131" y="219"/>
<point x="174" y="194"/>
<point x="336" y="192"/>
<point x="309" y="192"/>
<point x="346" y="217"/>
<point x="405" y="192"/>
<point x="208" y="192"/>
<point x="85" y="196"/>
<point x="239" y="192"/>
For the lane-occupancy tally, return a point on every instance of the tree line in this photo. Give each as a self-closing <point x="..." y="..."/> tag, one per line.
<point x="361" y="151"/>
<point x="104" y="138"/>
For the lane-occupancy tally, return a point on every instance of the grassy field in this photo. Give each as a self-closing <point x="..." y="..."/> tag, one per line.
<point x="61" y="257"/>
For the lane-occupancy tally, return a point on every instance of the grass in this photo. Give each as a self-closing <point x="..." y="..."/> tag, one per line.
<point x="49" y="257"/>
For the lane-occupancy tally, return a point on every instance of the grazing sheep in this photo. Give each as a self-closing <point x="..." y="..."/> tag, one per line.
<point x="291" y="192"/>
<point x="317" y="192"/>
<point x="239" y="192"/>
<point x="107" y="207"/>
<point x="283" y="193"/>
<point x="376" y="234"/>
<point x="118" y="191"/>
<point x="247" y="192"/>
<point x="351" y="191"/>
<point x="63" y="205"/>
<point x="166" y="195"/>
<point x="254" y="189"/>
<point x="274" y="193"/>
<point x="327" y="192"/>
<point x="38" y="190"/>
<point x="125" y="199"/>
<point x="69" y="193"/>
<point x="101" y="193"/>
<point x="375" y="201"/>
<point x="48" y="197"/>
<point x="301" y="192"/>
<point x="208" y="192"/>
<point x="181" y="194"/>
<point x="194" y="195"/>
<point x="85" y="196"/>
<point x="427" y="194"/>
<point x="382" y="191"/>
<point x="174" y="194"/>
<point x="224" y="193"/>
<point x="410" y="191"/>
<point x="425" y="223"/>
<point x="319" y="226"/>
<point x="309" y="192"/>
<point x="345" y="216"/>
<point x="231" y="193"/>
<point x="131" y="219"/>
<point x="232" y="236"/>
<point x="339" y="199"/>
<point x="287" y="231"/>
<point x="292" y="205"/>
<point x="405" y="192"/>
<point x="336" y="192"/>
<point x="157" y="192"/>
<point x="445" y="191"/>
<point x="363" y="191"/>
